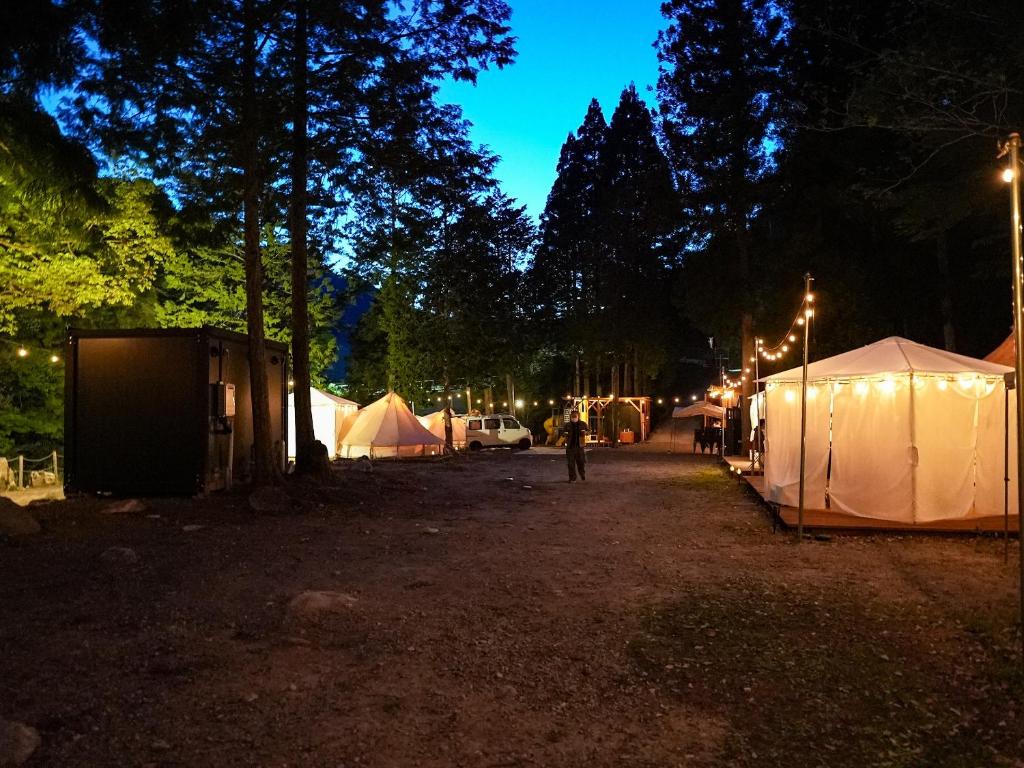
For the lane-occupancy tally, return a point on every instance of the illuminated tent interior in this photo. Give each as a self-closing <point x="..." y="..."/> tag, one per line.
<point x="434" y="423"/>
<point x="895" y="431"/>
<point x="329" y="412"/>
<point x="387" y="429"/>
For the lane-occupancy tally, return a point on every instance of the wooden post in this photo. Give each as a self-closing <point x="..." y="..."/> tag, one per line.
<point x="56" y="469"/>
<point x="808" y="313"/>
<point x="21" y="472"/>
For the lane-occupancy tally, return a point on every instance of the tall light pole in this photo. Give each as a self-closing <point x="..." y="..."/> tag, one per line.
<point x="1013" y="176"/>
<point x="803" y="406"/>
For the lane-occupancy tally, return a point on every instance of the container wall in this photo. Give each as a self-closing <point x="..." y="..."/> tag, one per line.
<point x="135" y="416"/>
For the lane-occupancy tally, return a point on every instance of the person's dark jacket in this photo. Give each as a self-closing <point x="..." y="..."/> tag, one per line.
<point x="575" y="433"/>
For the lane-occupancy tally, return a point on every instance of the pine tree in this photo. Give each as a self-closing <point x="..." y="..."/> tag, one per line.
<point x="719" y="90"/>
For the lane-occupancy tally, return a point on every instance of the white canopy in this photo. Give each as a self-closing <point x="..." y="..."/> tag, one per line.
<point x="387" y="428"/>
<point x="701" y="408"/>
<point x="895" y="430"/>
<point x="329" y="412"/>
<point x="434" y="423"/>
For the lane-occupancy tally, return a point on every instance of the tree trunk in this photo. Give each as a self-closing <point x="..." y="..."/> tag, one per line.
<point x="449" y="445"/>
<point x="946" y="290"/>
<point x="637" y="389"/>
<point x="510" y="392"/>
<point x="627" y="378"/>
<point x="586" y="377"/>
<point x="306" y="460"/>
<point x="266" y="468"/>
<point x="576" y="381"/>
<point x="746" y="322"/>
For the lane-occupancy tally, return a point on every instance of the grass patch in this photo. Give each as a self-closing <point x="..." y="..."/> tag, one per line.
<point x="704" y="479"/>
<point x="804" y="680"/>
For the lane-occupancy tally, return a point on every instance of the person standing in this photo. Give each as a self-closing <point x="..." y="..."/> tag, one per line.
<point x="575" y="438"/>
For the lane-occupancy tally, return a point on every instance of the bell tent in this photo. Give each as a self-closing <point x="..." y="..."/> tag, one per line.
<point x="388" y="429"/>
<point x="896" y="431"/>
<point x="329" y="412"/>
<point x="434" y="423"/>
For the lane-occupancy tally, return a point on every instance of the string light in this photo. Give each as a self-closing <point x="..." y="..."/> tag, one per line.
<point x="22" y="352"/>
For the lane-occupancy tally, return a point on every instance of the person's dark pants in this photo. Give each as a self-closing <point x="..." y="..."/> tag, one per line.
<point x="577" y="461"/>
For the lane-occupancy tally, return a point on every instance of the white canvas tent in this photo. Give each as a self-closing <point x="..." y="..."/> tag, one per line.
<point x="700" y="408"/>
<point x="387" y="428"/>
<point x="434" y="423"/>
<point x="895" y="431"/>
<point x="329" y="412"/>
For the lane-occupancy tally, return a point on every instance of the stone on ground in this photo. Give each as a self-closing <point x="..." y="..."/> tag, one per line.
<point x="120" y="556"/>
<point x="17" y="743"/>
<point x="126" y="507"/>
<point x="16" y="521"/>
<point x="270" y="499"/>
<point x="313" y="605"/>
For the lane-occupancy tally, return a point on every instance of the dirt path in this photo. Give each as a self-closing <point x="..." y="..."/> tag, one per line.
<point x="648" y="617"/>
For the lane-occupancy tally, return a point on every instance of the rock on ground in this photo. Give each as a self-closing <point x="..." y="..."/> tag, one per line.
<point x="270" y="499"/>
<point x="312" y="605"/>
<point x="120" y="556"/>
<point x="16" y="521"/>
<point x="17" y="743"/>
<point x="126" y="507"/>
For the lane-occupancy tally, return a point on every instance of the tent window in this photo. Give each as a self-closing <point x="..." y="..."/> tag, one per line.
<point x="492" y="423"/>
<point x="474" y="423"/>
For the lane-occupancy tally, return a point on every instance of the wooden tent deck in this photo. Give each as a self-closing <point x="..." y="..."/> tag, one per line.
<point x="825" y="518"/>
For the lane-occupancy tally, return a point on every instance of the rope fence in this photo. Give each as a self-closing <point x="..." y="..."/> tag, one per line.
<point x="13" y="474"/>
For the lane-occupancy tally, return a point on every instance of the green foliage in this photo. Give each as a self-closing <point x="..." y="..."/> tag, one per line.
<point x="69" y="242"/>
<point x="31" y="403"/>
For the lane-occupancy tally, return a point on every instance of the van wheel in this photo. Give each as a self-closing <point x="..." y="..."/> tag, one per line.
<point x="524" y="444"/>
<point x="475" y="446"/>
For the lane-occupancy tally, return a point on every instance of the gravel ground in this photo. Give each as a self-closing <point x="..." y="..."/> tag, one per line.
<point x="484" y="612"/>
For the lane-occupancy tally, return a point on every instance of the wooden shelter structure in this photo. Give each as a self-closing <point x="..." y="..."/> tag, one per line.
<point x="592" y="409"/>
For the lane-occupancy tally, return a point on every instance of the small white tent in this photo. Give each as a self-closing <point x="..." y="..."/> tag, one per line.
<point x="329" y="412"/>
<point x="895" y="431"/>
<point x="700" y="408"/>
<point x="387" y="428"/>
<point x="434" y="423"/>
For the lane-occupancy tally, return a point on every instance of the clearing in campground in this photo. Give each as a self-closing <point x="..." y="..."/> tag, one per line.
<point x="482" y="611"/>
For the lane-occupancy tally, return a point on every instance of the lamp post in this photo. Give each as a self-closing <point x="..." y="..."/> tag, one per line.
<point x="1013" y="176"/>
<point x="803" y="407"/>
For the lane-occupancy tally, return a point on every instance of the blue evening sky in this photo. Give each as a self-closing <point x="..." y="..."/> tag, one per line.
<point x="570" y="51"/>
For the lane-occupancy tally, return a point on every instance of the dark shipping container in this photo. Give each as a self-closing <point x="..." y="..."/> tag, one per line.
<point x="147" y="412"/>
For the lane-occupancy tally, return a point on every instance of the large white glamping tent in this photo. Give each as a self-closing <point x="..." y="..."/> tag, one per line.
<point x="895" y="431"/>
<point x="329" y="412"/>
<point x="387" y="428"/>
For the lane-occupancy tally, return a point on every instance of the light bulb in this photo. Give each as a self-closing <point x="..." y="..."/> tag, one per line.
<point x="22" y="352"/>
<point x="54" y="359"/>
<point x="792" y="337"/>
<point x="1008" y="175"/>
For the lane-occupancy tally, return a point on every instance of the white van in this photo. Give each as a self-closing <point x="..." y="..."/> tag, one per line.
<point x="496" y="430"/>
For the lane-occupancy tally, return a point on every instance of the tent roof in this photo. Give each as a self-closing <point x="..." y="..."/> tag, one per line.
<point x="388" y="422"/>
<point x="1005" y="353"/>
<point x="891" y="355"/>
<point x="702" y="408"/>
<point x="320" y="397"/>
<point x="434" y="422"/>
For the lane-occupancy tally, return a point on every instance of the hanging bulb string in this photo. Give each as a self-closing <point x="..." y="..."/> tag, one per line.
<point x="802" y="318"/>
<point x="26" y="350"/>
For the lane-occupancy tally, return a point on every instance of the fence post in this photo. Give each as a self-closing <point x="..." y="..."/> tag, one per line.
<point x="21" y="472"/>
<point x="56" y="471"/>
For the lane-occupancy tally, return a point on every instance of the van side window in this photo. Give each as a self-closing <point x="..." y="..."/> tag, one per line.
<point x="474" y="424"/>
<point x="510" y="423"/>
<point x="492" y="423"/>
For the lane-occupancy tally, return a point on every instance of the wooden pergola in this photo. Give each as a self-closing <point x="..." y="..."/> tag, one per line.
<point x="596" y="405"/>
